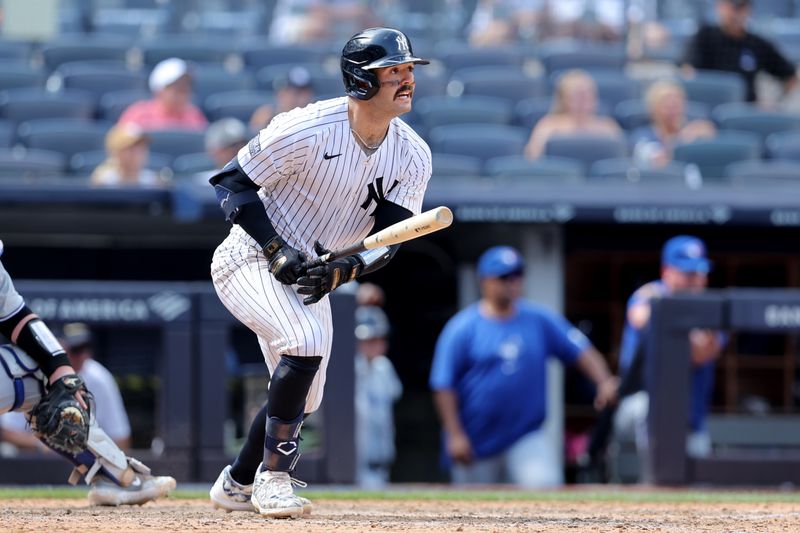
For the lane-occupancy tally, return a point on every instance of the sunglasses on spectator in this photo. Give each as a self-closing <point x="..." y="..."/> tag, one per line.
<point x="511" y="276"/>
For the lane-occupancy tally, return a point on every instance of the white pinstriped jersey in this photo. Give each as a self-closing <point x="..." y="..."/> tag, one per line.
<point x="317" y="182"/>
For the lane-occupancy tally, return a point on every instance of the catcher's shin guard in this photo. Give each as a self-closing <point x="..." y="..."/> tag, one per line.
<point x="21" y="381"/>
<point x="104" y="457"/>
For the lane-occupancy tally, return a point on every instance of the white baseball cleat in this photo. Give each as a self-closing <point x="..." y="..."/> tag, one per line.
<point x="229" y="495"/>
<point x="273" y="495"/>
<point x="143" y="489"/>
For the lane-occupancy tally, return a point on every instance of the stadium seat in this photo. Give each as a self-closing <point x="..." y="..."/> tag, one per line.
<point x="97" y="79"/>
<point x="441" y="110"/>
<point x="518" y="168"/>
<point x="323" y="81"/>
<point x="237" y="104"/>
<point x="714" y="87"/>
<point x="113" y="104"/>
<point x="744" y="117"/>
<point x="83" y="163"/>
<point x="65" y="136"/>
<point x="455" y="167"/>
<point x="509" y="83"/>
<point x="458" y="55"/>
<point x="26" y="164"/>
<point x="15" y="75"/>
<point x="531" y="110"/>
<point x="190" y="164"/>
<point x="224" y="24"/>
<point x="712" y="156"/>
<point x="8" y="129"/>
<point x="785" y="145"/>
<point x="764" y="10"/>
<point x="132" y="21"/>
<point x="483" y="141"/>
<point x="430" y="81"/>
<point x="84" y="49"/>
<point x="214" y="53"/>
<point x="176" y="142"/>
<point x="586" y="148"/>
<point x="210" y="79"/>
<point x="633" y="114"/>
<point x="20" y="105"/>
<point x="16" y="51"/>
<point x="260" y="56"/>
<point x="563" y="56"/>
<point x="623" y="169"/>
<point x="764" y="172"/>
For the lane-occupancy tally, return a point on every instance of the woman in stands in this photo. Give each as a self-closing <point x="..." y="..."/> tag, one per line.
<point x="669" y="126"/>
<point x="574" y="112"/>
<point x="127" y="149"/>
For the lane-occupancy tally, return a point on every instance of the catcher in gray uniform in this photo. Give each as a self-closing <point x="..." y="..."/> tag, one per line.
<point x="36" y="378"/>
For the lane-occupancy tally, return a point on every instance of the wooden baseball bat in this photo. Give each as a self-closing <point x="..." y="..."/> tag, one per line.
<point x="428" y="222"/>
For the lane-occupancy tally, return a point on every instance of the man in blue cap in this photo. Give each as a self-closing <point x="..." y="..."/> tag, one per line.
<point x="489" y="379"/>
<point x="684" y="269"/>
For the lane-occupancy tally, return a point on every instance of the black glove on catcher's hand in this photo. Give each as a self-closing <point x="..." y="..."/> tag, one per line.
<point x="58" y="419"/>
<point x="285" y="263"/>
<point x="319" y="280"/>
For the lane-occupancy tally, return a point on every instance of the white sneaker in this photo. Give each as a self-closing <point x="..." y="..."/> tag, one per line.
<point x="274" y="496"/>
<point x="145" y="488"/>
<point x="229" y="495"/>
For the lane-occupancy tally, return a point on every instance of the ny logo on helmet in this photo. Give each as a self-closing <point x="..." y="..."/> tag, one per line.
<point x="402" y="44"/>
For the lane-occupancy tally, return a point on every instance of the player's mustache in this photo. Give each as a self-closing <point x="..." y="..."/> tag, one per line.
<point x="405" y="87"/>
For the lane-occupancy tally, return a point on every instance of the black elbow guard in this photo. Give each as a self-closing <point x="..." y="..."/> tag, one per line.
<point x="234" y="190"/>
<point x="26" y="330"/>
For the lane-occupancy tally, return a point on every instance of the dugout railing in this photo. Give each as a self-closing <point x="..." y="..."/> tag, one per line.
<point x="192" y="331"/>
<point x="667" y="378"/>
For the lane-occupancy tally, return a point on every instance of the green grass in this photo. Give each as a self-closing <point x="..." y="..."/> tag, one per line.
<point x="611" y="495"/>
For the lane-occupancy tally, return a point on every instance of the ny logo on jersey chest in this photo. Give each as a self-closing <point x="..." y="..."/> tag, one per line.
<point x="375" y="192"/>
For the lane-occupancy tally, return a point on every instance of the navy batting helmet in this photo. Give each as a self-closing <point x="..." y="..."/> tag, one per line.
<point x="371" y="49"/>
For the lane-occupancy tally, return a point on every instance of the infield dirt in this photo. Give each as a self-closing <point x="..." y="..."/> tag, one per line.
<point x="64" y="516"/>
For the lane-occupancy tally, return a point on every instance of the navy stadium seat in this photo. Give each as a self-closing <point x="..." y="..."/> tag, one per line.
<point x="92" y="49"/>
<point x="210" y="79"/>
<point x="237" y="104"/>
<point x="531" y="110"/>
<point x="97" y="79"/>
<point x="176" y="142"/>
<point x="14" y="75"/>
<point x="430" y="81"/>
<point x="572" y="55"/>
<point x="323" y="81"/>
<point x="25" y="164"/>
<point x="442" y="110"/>
<point x="204" y="53"/>
<point x="785" y="145"/>
<point x="190" y="164"/>
<point x="8" y="129"/>
<point x="624" y="169"/>
<point x="259" y="56"/>
<point x="510" y="83"/>
<point x="18" y="51"/>
<point x="455" y="167"/>
<point x="712" y="156"/>
<point x="66" y="136"/>
<point x="764" y="172"/>
<point x="744" y="117"/>
<point x="586" y="148"/>
<point x="548" y="169"/>
<point x="131" y="22"/>
<point x="458" y="55"/>
<point x="31" y="104"/>
<point x="633" y="114"/>
<point x="483" y="141"/>
<point x="714" y="87"/>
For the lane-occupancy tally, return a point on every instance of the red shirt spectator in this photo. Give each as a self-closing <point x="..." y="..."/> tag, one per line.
<point x="171" y="106"/>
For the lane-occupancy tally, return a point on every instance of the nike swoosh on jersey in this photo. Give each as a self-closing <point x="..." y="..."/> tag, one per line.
<point x="326" y="155"/>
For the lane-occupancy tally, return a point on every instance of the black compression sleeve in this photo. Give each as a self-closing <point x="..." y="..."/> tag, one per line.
<point x="27" y="331"/>
<point x="252" y="216"/>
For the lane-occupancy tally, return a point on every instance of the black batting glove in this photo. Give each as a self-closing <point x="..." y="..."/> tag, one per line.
<point x="321" y="279"/>
<point x="285" y="263"/>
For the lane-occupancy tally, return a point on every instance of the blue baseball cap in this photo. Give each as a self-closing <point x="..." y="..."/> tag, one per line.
<point x="686" y="253"/>
<point x="500" y="261"/>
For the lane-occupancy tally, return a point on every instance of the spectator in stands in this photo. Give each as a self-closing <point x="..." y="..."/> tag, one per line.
<point x="489" y="379"/>
<point x="301" y="21"/>
<point x="574" y="112"/>
<point x="76" y="338"/>
<point x="292" y="90"/>
<point x="127" y="149"/>
<point x="15" y="435"/>
<point x="730" y="47"/>
<point x="684" y="269"/>
<point x="666" y="103"/>
<point x="377" y="389"/>
<point x="597" y="20"/>
<point x="224" y="138"/>
<point x="171" y="106"/>
<point x="498" y="22"/>
<point x="370" y="294"/>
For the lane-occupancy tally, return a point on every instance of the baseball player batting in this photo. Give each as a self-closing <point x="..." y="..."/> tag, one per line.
<point x="317" y="179"/>
<point x="36" y="378"/>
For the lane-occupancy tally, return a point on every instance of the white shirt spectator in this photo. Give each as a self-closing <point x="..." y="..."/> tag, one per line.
<point x="109" y="409"/>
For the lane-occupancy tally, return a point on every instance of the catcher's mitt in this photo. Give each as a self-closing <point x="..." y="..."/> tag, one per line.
<point x="58" y="419"/>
